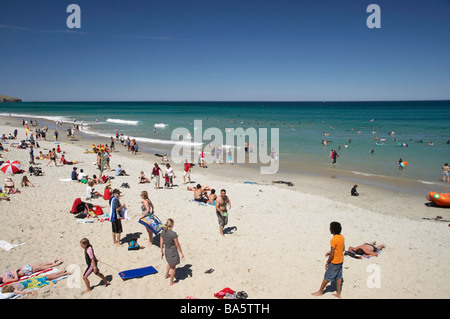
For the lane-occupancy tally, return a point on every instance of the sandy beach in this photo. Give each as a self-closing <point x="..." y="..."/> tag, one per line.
<point x="274" y="245"/>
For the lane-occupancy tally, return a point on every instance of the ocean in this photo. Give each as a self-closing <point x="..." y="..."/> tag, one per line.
<point x="417" y="132"/>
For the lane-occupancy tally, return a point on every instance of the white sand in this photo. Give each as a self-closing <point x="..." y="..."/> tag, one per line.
<point x="275" y="249"/>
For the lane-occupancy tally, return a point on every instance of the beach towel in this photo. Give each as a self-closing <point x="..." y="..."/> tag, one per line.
<point x="32" y="275"/>
<point x="152" y="222"/>
<point x="356" y="256"/>
<point x="225" y="293"/>
<point x="112" y="212"/>
<point x="199" y="202"/>
<point x="35" y="282"/>
<point x="8" y="246"/>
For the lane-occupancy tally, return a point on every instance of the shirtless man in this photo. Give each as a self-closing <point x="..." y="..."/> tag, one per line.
<point x="201" y="193"/>
<point x="221" y="210"/>
<point x="367" y="249"/>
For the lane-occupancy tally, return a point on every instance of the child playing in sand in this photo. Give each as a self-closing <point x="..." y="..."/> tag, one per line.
<point x="91" y="262"/>
<point x="333" y="267"/>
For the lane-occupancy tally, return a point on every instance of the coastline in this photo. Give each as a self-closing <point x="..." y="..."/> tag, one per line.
<point x="272" y="228"/>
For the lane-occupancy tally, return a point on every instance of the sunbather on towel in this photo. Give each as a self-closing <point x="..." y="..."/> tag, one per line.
<point x="35" y="282"/>
<point x="370" y="250"/>
<point x="27" y="270"/>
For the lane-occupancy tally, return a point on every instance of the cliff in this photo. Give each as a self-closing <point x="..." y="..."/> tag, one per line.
<point x="8" y="99"/>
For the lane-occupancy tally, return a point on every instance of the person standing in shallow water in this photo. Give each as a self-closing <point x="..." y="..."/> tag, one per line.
<point x="446" y="173"/>
<point x="334" y="156"/>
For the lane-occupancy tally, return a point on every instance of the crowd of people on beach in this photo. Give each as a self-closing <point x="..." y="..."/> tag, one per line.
<point x="169" y="244"/>
<point x="56" y="157"/>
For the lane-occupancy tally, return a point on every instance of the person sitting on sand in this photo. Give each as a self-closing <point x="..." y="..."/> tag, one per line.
<point x="9" y="183"/>
<point x="107" y="192"/>
<point x="354" y="192"/>
<point x="201" y="193"/>
<point x="91" y="192"/>
<point x="19" y="287"/>
<point x="27" y="270"/>
<point x="74" y="175"/>
<point x="26" y="182"/>
<point x="143" y="179"/>
<point x="369" y="250"/>
<point x="212" y="197"/>
<point x="120" y="171"/>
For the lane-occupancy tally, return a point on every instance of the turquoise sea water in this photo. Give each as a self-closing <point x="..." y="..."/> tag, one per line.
<point x="302" y="127"/>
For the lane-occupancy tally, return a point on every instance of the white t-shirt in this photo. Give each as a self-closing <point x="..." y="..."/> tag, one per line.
<point x="169" y="171"/>
<point x="89" y="191"/>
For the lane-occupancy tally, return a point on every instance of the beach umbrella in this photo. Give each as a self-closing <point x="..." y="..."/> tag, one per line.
<point x="11" y="167"/>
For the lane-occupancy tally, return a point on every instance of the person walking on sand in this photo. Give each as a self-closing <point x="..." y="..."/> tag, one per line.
<point x="91" y="262"/>
<point x="170" y="173"/>
<point x="446" y="173"/>
<point x="147" y="208"/>
<point x="156" y="174"/>
<point x="222" y="202"/>
<point x="53" y="157"/>
<point x="114" y="216"/>
<point x="171" y="248"/>
<point x="333" y="266"/>
<point x="187" y="172"/>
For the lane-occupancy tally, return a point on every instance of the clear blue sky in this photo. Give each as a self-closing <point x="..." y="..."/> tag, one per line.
<point x="225" y="50"/>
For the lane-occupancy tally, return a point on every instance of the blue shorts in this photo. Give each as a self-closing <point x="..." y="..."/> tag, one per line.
<point x="333" y="272"/>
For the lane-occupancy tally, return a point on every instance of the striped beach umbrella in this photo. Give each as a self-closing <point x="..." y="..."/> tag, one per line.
<point x="11" y="167"/>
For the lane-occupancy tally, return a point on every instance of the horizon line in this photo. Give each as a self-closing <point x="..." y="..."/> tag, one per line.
<point x="252" y="101"/>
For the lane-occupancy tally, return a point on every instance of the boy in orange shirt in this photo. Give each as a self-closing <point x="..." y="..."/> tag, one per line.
<point x="333" y="267"/>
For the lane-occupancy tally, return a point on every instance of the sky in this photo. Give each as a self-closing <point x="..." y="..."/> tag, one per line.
<point x="225" y="50"/>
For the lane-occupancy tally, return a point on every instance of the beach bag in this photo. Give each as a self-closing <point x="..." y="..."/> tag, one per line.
<point x="133" y="245"/>
<point x="98" y="210"/>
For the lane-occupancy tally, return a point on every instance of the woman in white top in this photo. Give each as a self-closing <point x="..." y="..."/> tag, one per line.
<point x="169" y="171"/>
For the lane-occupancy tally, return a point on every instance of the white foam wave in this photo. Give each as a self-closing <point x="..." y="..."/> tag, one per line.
<point x="161" y="125"/>
<point x="429" y="183"/>
<point x="364" y="174"/>
<point x="34" y="116"/>
<point x="119" y="121"/>
<point x="146" y="139"/>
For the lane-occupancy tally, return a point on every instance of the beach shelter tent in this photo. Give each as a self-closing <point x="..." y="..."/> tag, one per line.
<point x="11" y="167"/>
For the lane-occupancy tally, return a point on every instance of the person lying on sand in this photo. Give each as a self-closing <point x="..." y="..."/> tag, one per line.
<point x="66" y="162"/>
<point x="27" y="270"/>
<point x="367" y="249"/>
<point x="19" y="287"/>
